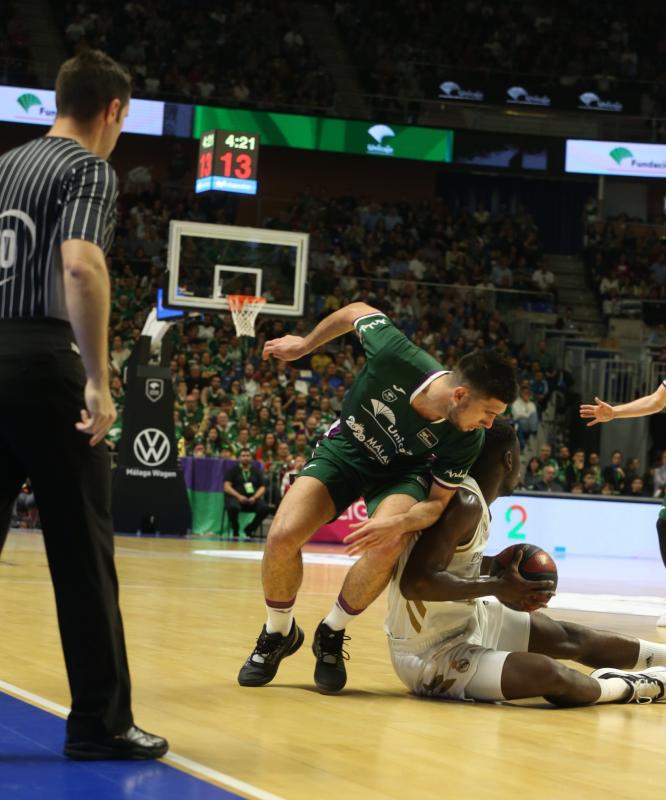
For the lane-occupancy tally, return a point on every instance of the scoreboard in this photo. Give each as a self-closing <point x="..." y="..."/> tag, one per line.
<point x="227" y="162"/>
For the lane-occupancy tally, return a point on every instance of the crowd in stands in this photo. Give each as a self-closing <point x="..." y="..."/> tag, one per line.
<point x="626" y="266"/>
<point x="398" y="46"/>
<point x="16" y="65"/>
<point x="228" y="398"/>
<point x="579" y="472"/>
<point x="248" y="53"/>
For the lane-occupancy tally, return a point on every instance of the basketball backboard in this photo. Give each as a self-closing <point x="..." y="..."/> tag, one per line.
<point x="206" y="262"/>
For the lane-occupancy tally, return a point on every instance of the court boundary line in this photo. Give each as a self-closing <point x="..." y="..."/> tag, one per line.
<point x="179" y="762"/>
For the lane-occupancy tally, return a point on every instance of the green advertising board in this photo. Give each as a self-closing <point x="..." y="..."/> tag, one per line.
<point x="333" y="135"/>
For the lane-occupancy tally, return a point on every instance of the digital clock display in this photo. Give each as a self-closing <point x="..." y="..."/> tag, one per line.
<point x="227" y="162"/>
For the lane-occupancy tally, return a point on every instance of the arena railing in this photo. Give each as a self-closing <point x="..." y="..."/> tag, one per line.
<point x="619" y="381"/>
<point x="493" y="298"/>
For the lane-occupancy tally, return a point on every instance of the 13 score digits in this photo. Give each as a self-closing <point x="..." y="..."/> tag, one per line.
<point x="227" y="162"/>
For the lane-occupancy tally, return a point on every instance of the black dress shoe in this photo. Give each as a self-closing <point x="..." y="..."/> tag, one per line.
<point x="133" y="745"/>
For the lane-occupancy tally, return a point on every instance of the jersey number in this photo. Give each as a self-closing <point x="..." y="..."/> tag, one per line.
<point x="7" y="249"/>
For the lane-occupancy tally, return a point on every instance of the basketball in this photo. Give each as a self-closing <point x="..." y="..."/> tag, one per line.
<point x="535" y="565"/>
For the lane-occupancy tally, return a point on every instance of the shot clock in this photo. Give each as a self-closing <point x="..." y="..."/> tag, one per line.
<point x="227" y="162"/>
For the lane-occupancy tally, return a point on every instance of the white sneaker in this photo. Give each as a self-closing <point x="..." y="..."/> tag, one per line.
<point x="661" y="622"/>
<point x="647" y="686"/>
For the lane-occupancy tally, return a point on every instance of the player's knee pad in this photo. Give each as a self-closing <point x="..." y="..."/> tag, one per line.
<point x="486" y="684"/>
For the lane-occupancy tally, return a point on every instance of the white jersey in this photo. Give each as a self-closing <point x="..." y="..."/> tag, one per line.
<point x="417" y="624"/>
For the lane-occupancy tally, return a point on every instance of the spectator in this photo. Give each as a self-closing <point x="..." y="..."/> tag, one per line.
<point x="244" y="489"/>
<point x="268" y="450"/>
<point x="594" y="466"/>
<point x="548" y="483"/>
<point x="613" y="473"/>
<point x="532" y="473"/>
<point x="590" y="485"/>
<point x="659" y="480"/>
<point x="543" y="279"/>
<point x="563" y="463"/>
<point x="290" y="475"/>
<point x="636" y="488"/>
<point x="631" y="470"/>
<point x="545" y="457"/>
<point x="539" y="388"/>
<point x="213" y="443"/>
<point x="119" y="354"/>
<point x="523" y="412"/>
<point x="575" y="472"/>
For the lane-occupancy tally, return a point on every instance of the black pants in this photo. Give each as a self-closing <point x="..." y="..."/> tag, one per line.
<point x="661" y="532"/>
<point x="234" y="506"/>
<point x="41" y="396"/>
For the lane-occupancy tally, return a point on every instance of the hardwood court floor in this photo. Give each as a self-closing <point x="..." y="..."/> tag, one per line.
<point x="191" y="621"/>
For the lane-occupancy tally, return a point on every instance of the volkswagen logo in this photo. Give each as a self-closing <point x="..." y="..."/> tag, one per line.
<point x="152" y="447"/>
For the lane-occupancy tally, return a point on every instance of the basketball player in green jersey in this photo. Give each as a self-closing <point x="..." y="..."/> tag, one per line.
<point x="641" y="407"/>
<point x="408" y="432"/>
<point x="445" y="641"/>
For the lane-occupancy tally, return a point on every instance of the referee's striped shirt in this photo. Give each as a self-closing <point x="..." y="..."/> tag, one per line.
<point x="51" y="190"/>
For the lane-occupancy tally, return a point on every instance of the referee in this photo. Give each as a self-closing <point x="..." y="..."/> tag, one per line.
<point x="57" y="217"/>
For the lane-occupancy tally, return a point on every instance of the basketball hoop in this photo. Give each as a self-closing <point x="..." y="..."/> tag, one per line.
<point x="244" y="309"/>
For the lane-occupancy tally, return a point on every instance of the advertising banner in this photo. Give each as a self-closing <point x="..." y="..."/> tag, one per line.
<point x="332" y="135"/>
<point x="576" y="526"/>
<point x="37" y="107"/>
<point x="527" y="91"/>
<point x="593" y="157"/>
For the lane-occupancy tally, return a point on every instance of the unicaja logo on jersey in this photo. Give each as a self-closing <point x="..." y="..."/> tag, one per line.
<point x="379" y="133"/>
<point x="384" y="411"/>
<point x="152" y="447"/>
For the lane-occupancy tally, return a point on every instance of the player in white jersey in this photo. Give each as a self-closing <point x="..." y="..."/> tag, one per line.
<point x="446" y="641"/>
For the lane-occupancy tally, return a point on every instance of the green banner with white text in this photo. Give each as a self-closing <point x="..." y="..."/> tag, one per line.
<point x="332" y="135"/>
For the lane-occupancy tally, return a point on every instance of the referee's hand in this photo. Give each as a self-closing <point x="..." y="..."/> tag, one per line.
<point x="99" y="414"/>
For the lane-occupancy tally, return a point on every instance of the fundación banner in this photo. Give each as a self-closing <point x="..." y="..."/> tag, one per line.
<point x="37" y="107"/>
<point x="593" y="157"/>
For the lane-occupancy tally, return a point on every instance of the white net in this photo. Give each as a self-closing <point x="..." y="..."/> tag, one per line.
<point x="244" y="309"/>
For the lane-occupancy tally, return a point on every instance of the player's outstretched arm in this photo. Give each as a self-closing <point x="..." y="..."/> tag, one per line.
<point x="289" y="348"/>
<point x="641" y="407"/>
<point x="426" y="578"/>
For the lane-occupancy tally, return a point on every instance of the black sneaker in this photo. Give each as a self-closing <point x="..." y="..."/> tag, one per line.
<point x="133" y="745"/>
<point x="271" y="648"/>
<point x="330" y="674"/>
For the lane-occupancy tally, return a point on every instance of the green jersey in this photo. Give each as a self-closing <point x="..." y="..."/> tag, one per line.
<point x="377" y="416"/>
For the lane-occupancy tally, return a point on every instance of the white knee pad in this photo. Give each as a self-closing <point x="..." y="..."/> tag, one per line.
<point x="486" y="684"/>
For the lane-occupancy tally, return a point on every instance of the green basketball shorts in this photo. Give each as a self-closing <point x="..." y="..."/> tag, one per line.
<point x="349" y="475"/>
